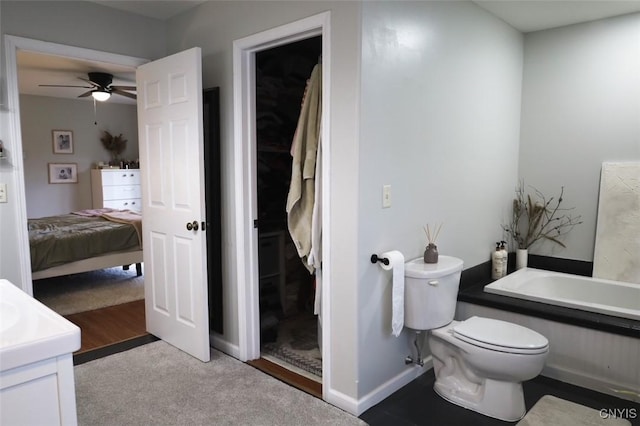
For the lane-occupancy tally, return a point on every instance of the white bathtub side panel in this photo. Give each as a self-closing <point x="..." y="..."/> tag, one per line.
<point x="594" y="359"/>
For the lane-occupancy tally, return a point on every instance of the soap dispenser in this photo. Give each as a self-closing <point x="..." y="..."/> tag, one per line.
<point x="496" y="262"/>
<point x="505" y="258"/>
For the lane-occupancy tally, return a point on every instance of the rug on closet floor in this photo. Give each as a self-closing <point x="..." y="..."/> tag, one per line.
<point x="297" y="344"/>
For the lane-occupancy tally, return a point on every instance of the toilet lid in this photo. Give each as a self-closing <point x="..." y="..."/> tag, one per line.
<point x="500" y="335"/>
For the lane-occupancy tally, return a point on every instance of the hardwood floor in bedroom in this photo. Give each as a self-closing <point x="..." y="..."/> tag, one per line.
<point x="110" y="330"/>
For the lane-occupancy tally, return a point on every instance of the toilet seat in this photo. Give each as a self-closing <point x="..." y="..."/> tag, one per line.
<point x="500" y="336"/>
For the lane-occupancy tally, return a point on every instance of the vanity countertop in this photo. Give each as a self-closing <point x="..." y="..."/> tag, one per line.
<point x="30" y="331"/>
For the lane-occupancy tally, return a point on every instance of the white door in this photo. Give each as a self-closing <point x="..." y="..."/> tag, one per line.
<point x="171" y="158"/>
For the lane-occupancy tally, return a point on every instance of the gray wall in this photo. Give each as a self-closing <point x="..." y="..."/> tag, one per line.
<point x="39" y="116"/>
<point x="85" y="24"/>
<point x="580" y="107"/>
<point x="439" y="122"/>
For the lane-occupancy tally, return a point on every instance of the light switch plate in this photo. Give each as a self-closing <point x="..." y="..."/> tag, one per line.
<point x="386" y="196"/>
<point x="3" y="192"/>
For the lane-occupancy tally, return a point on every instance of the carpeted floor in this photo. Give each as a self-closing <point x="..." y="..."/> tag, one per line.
<point x="87" y="291"/>
<point x="156" y="384"/>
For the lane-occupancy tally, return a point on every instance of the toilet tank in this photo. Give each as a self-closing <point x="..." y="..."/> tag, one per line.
<point x="430" y="292"/>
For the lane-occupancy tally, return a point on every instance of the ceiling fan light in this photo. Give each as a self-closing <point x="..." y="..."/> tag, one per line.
<point x="100" y="95"/>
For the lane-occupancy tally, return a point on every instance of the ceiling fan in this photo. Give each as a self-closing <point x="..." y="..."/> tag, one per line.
<point x="100" y="85"/>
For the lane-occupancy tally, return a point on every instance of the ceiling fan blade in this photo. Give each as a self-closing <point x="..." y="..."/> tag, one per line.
<point x="85" y="94"/>
<point x="124" y="87"/>
<point x="122" y="93"/>
<point x="62" y="85"/>
<point x="93" y="84"/>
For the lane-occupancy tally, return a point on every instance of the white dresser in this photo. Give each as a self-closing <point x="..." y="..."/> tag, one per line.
<point x="116" y="189"/>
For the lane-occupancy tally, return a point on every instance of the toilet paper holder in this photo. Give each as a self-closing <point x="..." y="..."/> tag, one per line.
<point x="376" y="259"/>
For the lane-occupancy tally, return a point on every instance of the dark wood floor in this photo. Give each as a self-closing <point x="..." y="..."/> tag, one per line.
<point x="296" y="380"/>
<point x="110" y="330"/>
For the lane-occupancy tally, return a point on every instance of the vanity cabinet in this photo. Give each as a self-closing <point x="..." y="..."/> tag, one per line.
<point x="117" y="189"/>
<point x="37" y="385"/>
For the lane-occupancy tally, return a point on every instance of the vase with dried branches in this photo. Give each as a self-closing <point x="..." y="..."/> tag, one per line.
<point x="537" y="218"/>
<point x="114" y="144"/>
<point x="431" y="252"/>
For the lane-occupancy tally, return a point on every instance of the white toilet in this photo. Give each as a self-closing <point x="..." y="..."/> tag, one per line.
<point x="479" y="363"/>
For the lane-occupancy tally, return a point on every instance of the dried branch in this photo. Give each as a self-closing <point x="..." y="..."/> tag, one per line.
<point x="114" y="144"/>
<point x="541" y="218"/>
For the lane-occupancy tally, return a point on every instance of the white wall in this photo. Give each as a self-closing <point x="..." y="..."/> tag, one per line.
<point x="39" y="116"/>
<point x="580" y="107"/>
<point x="439" y="122"/>
<point x="73" y="23"/>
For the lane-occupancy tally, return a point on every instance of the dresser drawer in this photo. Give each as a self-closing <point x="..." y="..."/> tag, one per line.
<point x="121" y="177"/>
<point x="121" y="192"/>
<point x="134" y="204"/>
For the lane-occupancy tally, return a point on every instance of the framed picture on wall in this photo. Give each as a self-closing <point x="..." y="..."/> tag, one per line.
<point x="62" y="142"/>
<point x="63" y="173"/>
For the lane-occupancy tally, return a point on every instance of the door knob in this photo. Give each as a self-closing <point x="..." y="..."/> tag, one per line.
<point x="192" y="226"/>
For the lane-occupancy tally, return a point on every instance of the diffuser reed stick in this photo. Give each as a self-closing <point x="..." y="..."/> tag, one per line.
<point x="427" y="231"/>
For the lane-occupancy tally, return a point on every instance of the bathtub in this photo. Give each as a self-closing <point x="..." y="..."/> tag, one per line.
<point x="572" y="291"/>
<point x="580" y="352"/>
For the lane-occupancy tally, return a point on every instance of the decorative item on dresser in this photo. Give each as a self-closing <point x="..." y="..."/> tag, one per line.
<point x="114" y="144"/>
<point x="116" y="189"/>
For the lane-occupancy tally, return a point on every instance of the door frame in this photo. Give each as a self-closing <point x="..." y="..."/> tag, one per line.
<point x="246" y="234"/>
<point x="12" y="45"/>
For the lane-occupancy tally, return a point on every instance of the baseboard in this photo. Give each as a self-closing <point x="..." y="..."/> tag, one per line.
<point x="342" y="401"/>
<point x="217" y="342"/>
<point x="390" y="386"/>
<point x="338" y="399"/>
<point x="597" y="384"/>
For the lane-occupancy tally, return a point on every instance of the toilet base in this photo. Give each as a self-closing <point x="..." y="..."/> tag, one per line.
<point x="493" y="398"/>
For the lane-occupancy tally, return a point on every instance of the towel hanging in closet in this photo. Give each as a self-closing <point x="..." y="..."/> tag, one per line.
<point x="304" y="149"/>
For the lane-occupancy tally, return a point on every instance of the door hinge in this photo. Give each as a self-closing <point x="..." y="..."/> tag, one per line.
<point x="255" y="223"/>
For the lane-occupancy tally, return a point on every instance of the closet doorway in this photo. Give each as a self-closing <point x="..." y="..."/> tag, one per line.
<point x="288" y="326"/>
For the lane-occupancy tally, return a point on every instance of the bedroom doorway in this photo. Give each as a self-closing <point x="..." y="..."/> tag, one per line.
<point x="112" y="292"/>
<point x="14" y="44"/>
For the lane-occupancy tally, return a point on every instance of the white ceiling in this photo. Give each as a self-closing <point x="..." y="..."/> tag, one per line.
<point x="156" y="9"/>
<point x="535" y="15"/>
<point x="524" y="15"/>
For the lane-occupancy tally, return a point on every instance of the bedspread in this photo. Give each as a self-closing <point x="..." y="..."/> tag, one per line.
<point x="57" y="240"/>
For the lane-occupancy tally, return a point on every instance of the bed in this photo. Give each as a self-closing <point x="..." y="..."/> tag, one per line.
<point x="85" y="241"/>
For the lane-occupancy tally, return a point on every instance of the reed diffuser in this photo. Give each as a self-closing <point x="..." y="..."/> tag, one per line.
<point x="431" y="252"/>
